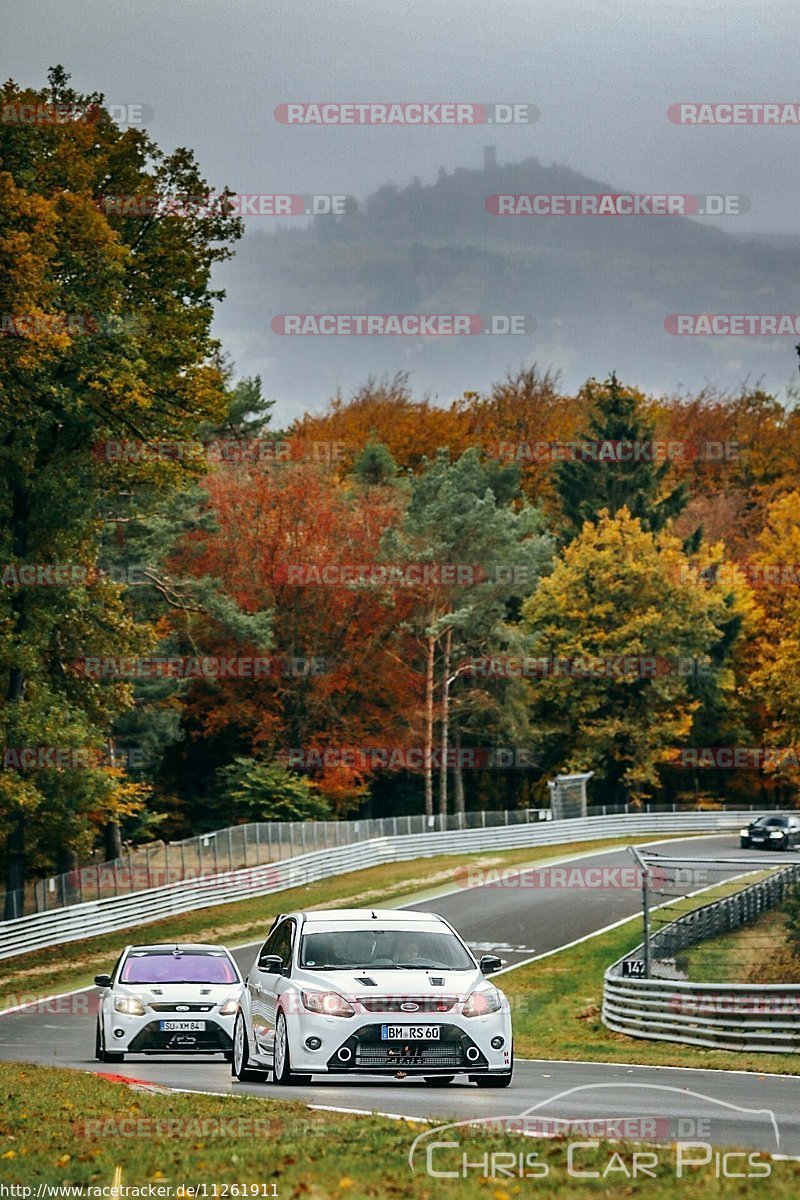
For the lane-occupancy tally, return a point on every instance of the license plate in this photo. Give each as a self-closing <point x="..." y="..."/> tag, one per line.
<point x="182" y="1026"/>
<point x="410" y="1033"/>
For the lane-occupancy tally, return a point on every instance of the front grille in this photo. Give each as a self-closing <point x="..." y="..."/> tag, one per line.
<point x="425" y="1004"/>
<point x="151" y="1039"/>
<point x="368" y="1052"/>
<point x="179" y="1006"/>
<point x="416" y="1054"/>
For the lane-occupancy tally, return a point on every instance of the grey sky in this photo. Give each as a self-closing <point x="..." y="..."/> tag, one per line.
<point x="602" y="74"/>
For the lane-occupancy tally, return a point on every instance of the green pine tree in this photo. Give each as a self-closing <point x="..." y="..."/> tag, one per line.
<point x="586" y="484"/>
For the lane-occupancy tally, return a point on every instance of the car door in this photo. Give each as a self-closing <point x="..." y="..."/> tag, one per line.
<point x="261" y="986"/>
<point x="274" y="983"/>
<point x="255" y="991"/>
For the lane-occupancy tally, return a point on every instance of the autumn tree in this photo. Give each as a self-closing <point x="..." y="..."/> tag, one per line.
<point x="107" y="319"/>
<point x="467" y="515"/>
<point x="774" y="682"/>
<point x="612" y="625"/>
<point x="339" y="677"/>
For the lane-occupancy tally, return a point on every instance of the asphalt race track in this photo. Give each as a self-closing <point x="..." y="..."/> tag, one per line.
<point x="518" y="923"/>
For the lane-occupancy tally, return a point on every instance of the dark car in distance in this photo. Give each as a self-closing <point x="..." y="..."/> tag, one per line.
<point x="771" y="833"/>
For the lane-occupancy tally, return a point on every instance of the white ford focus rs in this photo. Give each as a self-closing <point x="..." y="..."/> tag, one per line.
<point x="169" y="999"/>
<point x="363" y="992"/>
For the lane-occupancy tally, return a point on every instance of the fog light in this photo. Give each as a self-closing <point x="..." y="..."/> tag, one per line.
<point x="344" y="1054"/>
<point x="473" y="1053"/>
<point x="498" y="1043"/>
<point x="313" y="1043"/>
<point x="119" y="1033"/>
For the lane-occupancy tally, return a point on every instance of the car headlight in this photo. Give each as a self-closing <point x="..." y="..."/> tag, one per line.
<point x="328" y="1004"/>
<point x="481" y="1003"/>
<point x="777" y="833"/>
<point x="744" y="833"/>
<point x="131" y="1005"/>
<point x="229" y="1006"/>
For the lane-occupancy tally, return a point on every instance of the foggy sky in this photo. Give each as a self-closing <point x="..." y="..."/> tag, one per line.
<point x="601" y="72"/>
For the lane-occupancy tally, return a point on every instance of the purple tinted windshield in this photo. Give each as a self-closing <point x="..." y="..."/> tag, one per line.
<point x="178" y="968"/>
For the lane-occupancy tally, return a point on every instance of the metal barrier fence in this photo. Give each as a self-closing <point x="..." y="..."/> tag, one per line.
<point x="125" y="911"/>
<point x="251" y="845"/>
<point x="724" y="915"/>
<point x="732" y="1016"/>
<point x="239" y="847"/>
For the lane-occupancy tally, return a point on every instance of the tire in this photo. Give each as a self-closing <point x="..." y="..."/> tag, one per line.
<point x="227" y="1055"/>
<point x="496" y="1081"/>
<point x="438" y="1080"/>
<point x="103" y="1055"/>
<point x="281" y="1063"/>
<point x="240" y="1055"/>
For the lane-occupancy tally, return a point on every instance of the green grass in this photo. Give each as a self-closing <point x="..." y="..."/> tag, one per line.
<point x="176" y="1141"/>
<point x="760" y="952"/>
<point x="556" y="1008"/>
<point x="74" y="964"/>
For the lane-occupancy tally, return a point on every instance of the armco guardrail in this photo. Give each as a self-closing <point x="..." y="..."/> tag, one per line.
<point x="725" y="1016"/>
<point x="725" y="914"/>
<point x="237" y="846"/>
<point x="252" y="845"/>
<point x="123" y="912"/>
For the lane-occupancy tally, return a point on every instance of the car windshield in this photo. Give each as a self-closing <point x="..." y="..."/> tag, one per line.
<point x="383" y="949"/>
<point x="766" y="822"/>
<point x="170" y="966"/>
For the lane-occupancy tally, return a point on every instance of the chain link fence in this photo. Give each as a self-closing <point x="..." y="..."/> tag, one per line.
<point x="259" y="843"/>
<point x="237" y="847"/>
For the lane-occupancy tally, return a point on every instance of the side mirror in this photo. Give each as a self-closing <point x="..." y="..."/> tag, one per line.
<point x="272" y="964"/>
<point x="102" y="981"/>
<point x="490" y="963"/>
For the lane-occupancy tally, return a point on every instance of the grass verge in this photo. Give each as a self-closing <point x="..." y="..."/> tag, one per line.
<point x="112" y="1135"/>
<point x="74" y="964"/>
<point x="556" y="1004"/>
<point x="757" y="953"/>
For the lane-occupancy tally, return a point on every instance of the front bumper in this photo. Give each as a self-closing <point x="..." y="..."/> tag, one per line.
<point x="355" y="1047"/>
<point x="144" y="1035"/>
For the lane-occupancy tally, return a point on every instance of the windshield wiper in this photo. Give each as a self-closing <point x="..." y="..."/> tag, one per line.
<point x="423" y="967"/>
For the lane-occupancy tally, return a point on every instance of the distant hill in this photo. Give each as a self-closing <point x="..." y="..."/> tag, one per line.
<point x="599" y="289"/>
